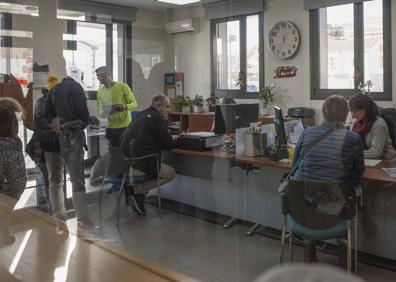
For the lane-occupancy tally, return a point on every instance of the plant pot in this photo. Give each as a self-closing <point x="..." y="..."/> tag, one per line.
<point x="212" y="108"/>
<point x="186" y="109"/>
<point x="265" y="111"/>
<point x="198" y="109"/>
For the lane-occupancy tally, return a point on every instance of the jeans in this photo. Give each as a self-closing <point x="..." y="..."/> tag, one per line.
<point x="55" y="178"/>
<point x="72" y="151"/>
<point x="42" y="187"/>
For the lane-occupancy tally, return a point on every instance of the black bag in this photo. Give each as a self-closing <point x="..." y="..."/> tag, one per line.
<point x="33" y="149"/>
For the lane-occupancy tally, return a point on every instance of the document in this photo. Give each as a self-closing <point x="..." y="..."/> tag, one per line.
<point x="369" y="162"/>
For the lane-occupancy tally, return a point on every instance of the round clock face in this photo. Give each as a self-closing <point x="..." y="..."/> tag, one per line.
<point x="284" y="40"/>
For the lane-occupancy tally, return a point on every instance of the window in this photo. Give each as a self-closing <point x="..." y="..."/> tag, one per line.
<point x="237" y="55"/>
<point x="89" y="54"/>
<point x="350" y="45"/>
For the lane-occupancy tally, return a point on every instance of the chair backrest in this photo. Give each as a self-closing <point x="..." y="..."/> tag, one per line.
<point x="389" y="115"/>
<point x="318" y="205"/>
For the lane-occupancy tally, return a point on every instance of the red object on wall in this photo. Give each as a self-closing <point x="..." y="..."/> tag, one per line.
<point x="285" y="71"/>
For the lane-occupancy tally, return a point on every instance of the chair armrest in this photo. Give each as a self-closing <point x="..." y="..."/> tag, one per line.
<point x="143" y="157"/>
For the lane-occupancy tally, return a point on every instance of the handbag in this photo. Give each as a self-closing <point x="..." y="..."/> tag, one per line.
<point x="286" y="177"/>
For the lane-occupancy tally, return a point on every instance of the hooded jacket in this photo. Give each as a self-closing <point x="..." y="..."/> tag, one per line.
<point x="12" y="167"/>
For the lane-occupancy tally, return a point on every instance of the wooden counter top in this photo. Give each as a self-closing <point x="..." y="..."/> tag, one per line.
<point x="371" y="173"/>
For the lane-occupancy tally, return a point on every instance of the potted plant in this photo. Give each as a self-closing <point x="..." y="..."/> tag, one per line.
<point x="198" y="103"/>
<point x="211" y="102"/>
<point x="266" y="97"/>
<point x="179" y="103"/>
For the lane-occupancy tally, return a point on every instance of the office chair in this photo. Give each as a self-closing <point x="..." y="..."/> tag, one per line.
<point x="389" y="116"/>
<point x="301" y="203"/>
<point x="120" y="164"/>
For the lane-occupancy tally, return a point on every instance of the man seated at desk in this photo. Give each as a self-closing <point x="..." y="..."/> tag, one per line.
<point x="149" y="134"/>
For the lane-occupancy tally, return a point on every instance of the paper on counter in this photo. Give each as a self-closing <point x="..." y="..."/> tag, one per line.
<point x="369" y="162"/>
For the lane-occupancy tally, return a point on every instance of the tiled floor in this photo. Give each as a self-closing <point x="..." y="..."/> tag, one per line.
<point x="200" y="249"/>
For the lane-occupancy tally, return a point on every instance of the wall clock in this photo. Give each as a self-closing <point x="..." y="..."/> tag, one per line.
<point x="284" y="40"/>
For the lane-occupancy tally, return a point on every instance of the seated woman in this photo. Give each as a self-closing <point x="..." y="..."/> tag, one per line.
<point x="372" y="129"/>
<point x="336" y="158"/>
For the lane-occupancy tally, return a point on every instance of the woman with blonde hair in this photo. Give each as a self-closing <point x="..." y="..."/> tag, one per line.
<point x="337" y="157"/>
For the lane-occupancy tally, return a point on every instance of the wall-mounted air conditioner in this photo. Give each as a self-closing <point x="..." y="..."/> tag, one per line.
<point x="180" y="26"/>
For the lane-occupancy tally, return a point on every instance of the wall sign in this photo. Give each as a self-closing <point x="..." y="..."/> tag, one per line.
<point x="285" y="71"/>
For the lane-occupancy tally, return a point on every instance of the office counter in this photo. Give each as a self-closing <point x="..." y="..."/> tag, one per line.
<point x="245" y="188"/>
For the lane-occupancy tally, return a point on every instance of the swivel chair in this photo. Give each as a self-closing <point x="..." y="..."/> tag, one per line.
<point x="121" y="164"/>
<point x="302" y="203"/>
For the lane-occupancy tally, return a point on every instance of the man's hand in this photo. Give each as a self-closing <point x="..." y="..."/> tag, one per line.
<point x="119" y="108"/>
<point x="55" y="125"/>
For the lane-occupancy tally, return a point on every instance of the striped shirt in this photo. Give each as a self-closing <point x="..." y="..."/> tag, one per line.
<point x="338" y="157"/>
<point x="379" y="142"/>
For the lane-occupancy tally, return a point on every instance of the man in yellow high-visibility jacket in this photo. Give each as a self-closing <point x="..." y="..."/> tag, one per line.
<point x="115" y="102"/>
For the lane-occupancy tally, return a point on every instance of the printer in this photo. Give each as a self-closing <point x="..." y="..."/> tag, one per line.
<point x="200" y="141"/>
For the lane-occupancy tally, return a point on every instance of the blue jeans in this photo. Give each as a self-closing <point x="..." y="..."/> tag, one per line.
<point x="72" y="151"/>
<point x="42" y="187"/>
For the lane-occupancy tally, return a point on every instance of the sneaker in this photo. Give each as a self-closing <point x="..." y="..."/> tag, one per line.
<point x="138" y="203"/>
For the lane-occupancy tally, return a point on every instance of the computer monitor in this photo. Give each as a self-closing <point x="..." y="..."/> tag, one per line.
<point x="232" y="116"/>
<point x="279" y="124"/>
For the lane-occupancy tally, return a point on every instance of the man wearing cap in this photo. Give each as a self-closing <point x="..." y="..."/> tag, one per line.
<point x="115" y="102"/>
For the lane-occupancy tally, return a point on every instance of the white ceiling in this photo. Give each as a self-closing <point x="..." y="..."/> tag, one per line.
<point x="144" y="4"/>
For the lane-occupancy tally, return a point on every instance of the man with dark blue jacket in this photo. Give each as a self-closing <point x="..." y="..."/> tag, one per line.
<point x="67" y="112"/>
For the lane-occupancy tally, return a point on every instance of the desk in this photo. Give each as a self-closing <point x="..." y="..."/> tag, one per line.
<point x="216" y="181"/>
<point x="371" y="173"/>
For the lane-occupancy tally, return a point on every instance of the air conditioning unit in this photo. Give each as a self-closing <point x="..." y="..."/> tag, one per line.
<point x="180" y="26"/>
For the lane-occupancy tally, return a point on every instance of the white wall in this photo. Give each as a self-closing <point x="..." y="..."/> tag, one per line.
<point x="149" y="38"/>
<point x="192" y="52"/>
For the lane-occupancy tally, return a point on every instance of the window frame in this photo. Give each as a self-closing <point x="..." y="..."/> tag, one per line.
<point x="126" y="45"/>
<point x="242" y="92"/>
<point x="318" y="93"/>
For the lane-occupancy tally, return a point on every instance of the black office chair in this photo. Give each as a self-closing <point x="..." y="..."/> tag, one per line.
<point x="120" y="164"/>
<point x="308" y="203"/>
<point x="389" y="115"/>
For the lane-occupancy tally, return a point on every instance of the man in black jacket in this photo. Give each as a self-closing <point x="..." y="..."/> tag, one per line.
<point x="148" y="134"/>
<point x="49" y="144"/>
<point x="67" y="111"/>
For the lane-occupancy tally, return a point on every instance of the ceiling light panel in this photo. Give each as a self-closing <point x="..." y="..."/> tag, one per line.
<point x="179" y="2"/>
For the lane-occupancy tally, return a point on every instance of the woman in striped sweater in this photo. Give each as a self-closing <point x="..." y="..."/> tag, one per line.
<point x="372" y="128"/>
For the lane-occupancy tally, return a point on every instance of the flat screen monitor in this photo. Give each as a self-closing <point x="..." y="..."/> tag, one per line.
<point x="279" y="124"/>
<point x="232" y="116"/>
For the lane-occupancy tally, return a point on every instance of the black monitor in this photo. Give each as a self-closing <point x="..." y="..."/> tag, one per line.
<point x="279" y="124"/>
<point x="232" y="116"/>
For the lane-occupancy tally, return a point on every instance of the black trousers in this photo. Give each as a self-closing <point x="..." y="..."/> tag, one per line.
<point x="113" y="135"/>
